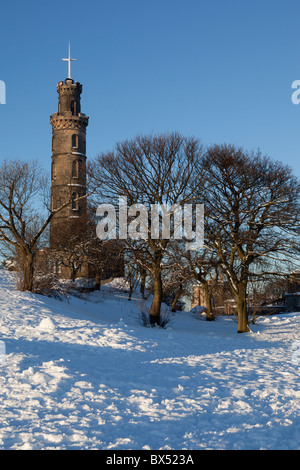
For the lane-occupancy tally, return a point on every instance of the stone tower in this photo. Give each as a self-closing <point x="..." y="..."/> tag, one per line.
<point x="68" y="173"/>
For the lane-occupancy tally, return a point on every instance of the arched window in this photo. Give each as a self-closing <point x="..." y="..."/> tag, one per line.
<point x="57" y="267"/>
<point x="75" y="141"/>
<point x="75" y="169"/>
<point x="74" y="201"/>
<point x="73" y="107"/>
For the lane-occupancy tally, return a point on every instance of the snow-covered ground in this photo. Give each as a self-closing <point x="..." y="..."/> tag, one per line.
<point x="87" y="375"/>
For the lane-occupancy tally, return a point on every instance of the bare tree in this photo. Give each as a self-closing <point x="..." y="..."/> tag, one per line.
<point x="105" y="257"/>
<point x="132" y="274"/>
<point x="71" y="253"/>
<point x="82" y="251"/>
<point x="175" y="285"/>
<point x="203" y="267"/>
<point x="23" y="219"/>
<point x="105" y="260"/>
<point x="151" y="170"/>
<point x="252" y="214"/>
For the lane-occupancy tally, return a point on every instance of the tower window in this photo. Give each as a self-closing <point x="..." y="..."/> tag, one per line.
<point x="75" y="141"/>
<point x="57" y="267"/>
<point x="73" y="107"/>
<point x="75" y="169"/>
<point x="74" y="201"/>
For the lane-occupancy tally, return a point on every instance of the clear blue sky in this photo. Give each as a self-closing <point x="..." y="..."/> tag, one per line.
<point x="220" y="70"/>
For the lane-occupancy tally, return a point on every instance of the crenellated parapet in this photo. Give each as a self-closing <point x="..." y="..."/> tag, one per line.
<point x="60" y="122"/>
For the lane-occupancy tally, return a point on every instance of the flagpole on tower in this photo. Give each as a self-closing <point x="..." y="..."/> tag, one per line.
<point x="69" y="60"/>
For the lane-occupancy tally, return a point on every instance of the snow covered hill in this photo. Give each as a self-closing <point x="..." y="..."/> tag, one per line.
<point x="87" y="375"/>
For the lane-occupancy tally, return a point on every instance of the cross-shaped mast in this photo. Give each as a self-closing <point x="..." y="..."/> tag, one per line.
<point x="69" y="60"/>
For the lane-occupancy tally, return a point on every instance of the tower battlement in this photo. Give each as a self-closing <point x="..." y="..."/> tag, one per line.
<point x="68" y="121"/>
<point x="69" y="97"/>
<point x="69" y="86"/>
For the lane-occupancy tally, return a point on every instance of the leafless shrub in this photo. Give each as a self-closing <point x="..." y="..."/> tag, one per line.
<point x="144" y="316"/>
<point x="49" y="286"/>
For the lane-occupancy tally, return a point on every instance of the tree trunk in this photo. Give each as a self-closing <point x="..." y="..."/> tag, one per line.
<point x="27" y="272"/>
<point x="130" y="292"/>
<point x="98" y="282"/>
<point x="177" y="297"/>
<point x="157" y="298"/>
<point x="143" y="282"/>
<point x="73" y="272"/>
<point x="208" y="300"/>
<point x="241" y="301"/>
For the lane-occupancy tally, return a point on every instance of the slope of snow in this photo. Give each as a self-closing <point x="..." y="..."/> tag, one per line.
<point x="87" y="375"/>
